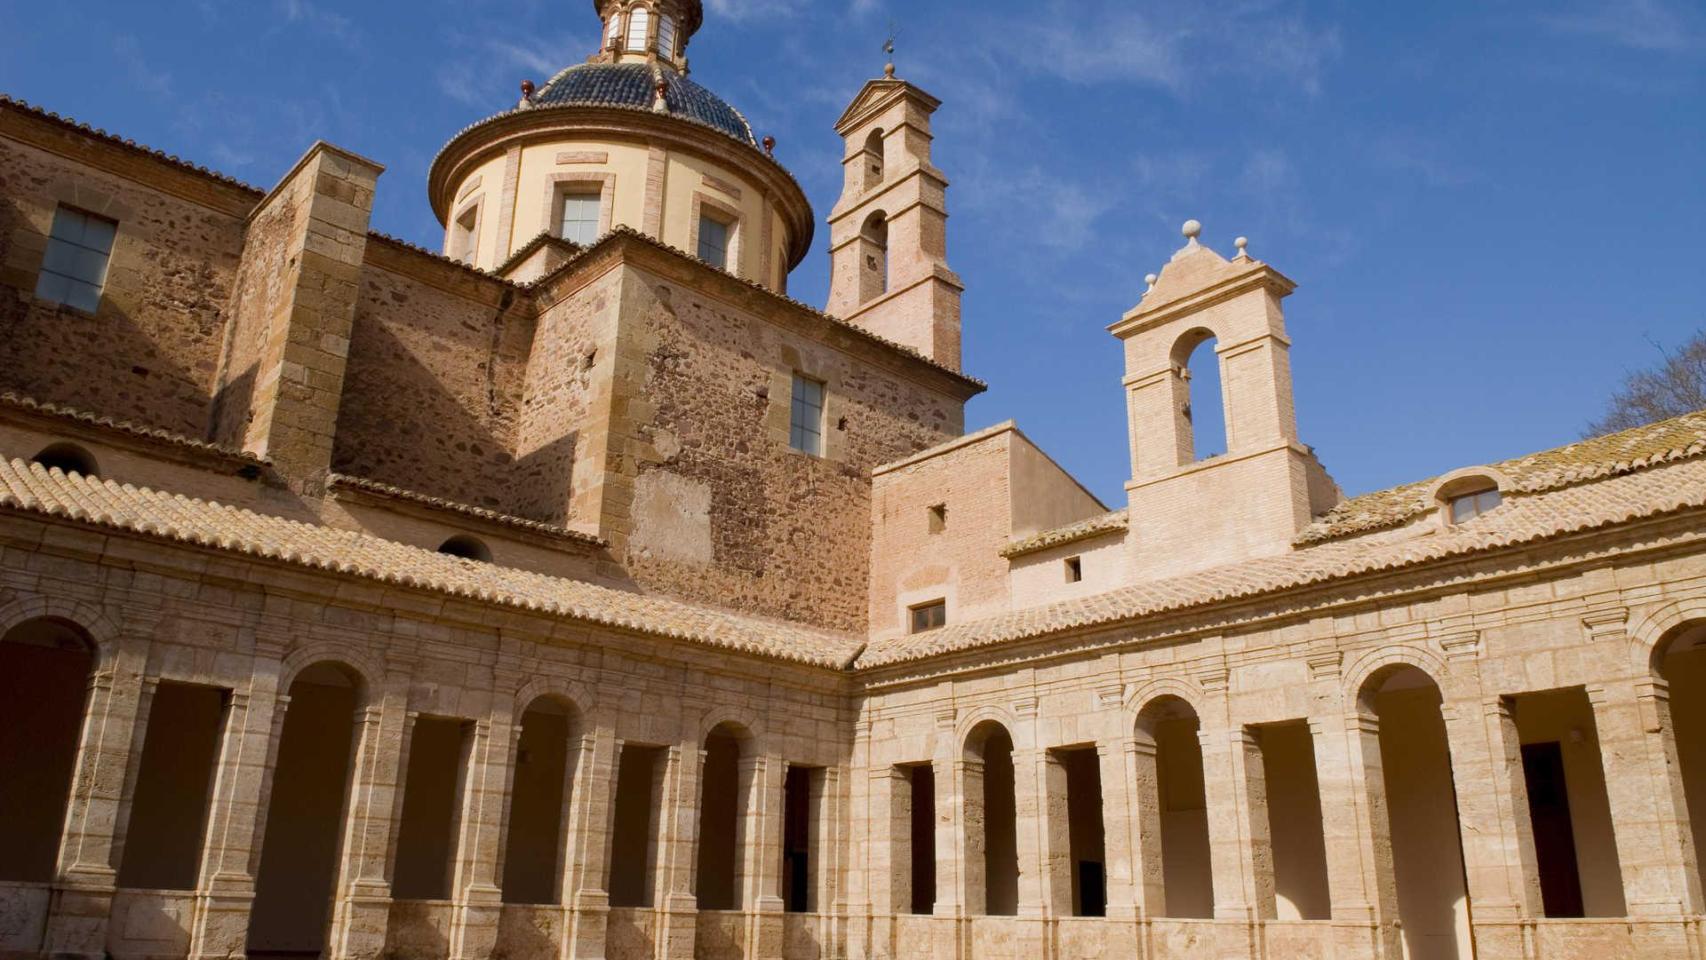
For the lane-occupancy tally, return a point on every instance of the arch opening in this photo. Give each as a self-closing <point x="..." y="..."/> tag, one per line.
<point x="1203" y="425"/>
<point x="540" y="792"/>
<point x="874" y="162"/>
<point x="1173" y="830"/>
<point x="1680" y="660"/>
<point x="467" y="548"/>
<point x="1414" y="760"/>
<point x="724" y="788"/>
<point x="306" y="808"/>
<point x="875" y="236"/>
<point x="45" y="665"/>
<point x="67" y="458"/>
<point x="990" y="816"/>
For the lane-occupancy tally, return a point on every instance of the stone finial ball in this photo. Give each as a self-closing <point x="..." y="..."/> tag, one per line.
<point x="1241" y="242"/>
<point x="1192" y="229"/>
<point x="1150" y="279"/>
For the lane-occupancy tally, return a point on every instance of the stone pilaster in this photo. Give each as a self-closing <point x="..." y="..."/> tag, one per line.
<point x="586" y="862"/>
<point x="1357" y="833"/>
<point x="677" y="909"/>
<point x="361" y="912"/>
<point x="1148" y="877"/>
<point x="225" y="892"/>
<point x="1654" y="843"/>
<point x="115" y="716"/>
<point x="762" y="781"/>
<point x="485" y="789"/>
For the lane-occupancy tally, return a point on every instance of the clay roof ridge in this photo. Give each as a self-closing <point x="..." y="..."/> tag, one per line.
<point x="57" y="411"/>
<point x="441" y="258"/>
<point x="1665" y="441"/>
<point x="540" y="239"/>
<point x="97" y="132"/>
<point x="29" y="487"/>
<point x="1078" y="530"/>
<point x="389" y="490"/>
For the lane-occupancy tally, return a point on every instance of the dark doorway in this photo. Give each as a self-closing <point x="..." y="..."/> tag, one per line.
<point x="632" y="846"/>
<point x="44" y="672"/>
<point x="922" y="779"/>
<point x="796" y="841"/>
<point x="1554" y="836"/>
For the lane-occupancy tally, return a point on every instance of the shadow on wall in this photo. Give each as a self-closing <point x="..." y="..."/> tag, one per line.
<point x="120" y="369"/>
<point x="400" y="424"/>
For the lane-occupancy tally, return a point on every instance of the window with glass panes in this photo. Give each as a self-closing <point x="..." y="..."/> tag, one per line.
<point x="666" y="35"/>
<point x="714" y="242"/>
<point x="805" y="431"/>
<point x="639" y="22"/>
<point x="580" y="216"/>
<point x="929" y="616"/>
<point x="1472" y="505"/>
<point x="74" y="269"/>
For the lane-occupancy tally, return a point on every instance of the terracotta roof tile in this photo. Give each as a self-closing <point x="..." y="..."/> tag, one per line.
<point x="377" y="488"/>
<point x="1072" y="532"/>
<point x="70" y="415"/>
<point x="1668" y="440"/>
<point x="29" y="488"/>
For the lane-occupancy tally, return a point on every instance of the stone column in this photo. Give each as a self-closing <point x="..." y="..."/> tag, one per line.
<point x="1492" y="810"/>
<point x="478" y="855"/>
<point x="1051" y="824"/>
<point x="115" y="715"/>
<point x="1241" y="852"/>
<point x="968" y="842"/>
<point x="1148" y="878"/>
<point x="361" y="912"/>
<point x="762" y="781"/>
<point x="829" y="845"/>
<point x="1357" y="834"/>
<point x="586" y="860"/>
<point x="1654" y="847"/>
<point x="952" y="878"/>
<point x="887" y="852"/>
<point x="1120" y="857"/>
<point x="225" y="893"/>
<point x="677" y="853"/>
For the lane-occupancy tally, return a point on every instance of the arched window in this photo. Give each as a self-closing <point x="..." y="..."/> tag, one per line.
<point x="1465" y="497"/>
<point x="639" y="24"/>
<point x="1203" y="415"/>
<point x="466" y="547"/>
<point x="615" y="32"/>
<point x="874" y="162"/>
<point x="876" y="235"/>
<point x="67" y="458"/>
<point x="666" y="36"/>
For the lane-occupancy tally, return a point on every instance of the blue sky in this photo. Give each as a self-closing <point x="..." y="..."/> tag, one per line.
<point x="1493" y="210"/>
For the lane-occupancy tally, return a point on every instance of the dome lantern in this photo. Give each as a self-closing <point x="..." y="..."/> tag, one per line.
<point x="647" y="30"/>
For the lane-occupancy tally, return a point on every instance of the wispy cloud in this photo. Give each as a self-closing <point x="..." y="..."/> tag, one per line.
<point x="140" y="70"/>
<point x="747" y="9"/>
<point x="326" y="23"/>
<point x="1421" y="158"/>
<point x="1653" y="25"/>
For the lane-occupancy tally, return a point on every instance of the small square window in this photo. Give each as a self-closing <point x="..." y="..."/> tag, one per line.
<point x="74" y="268"/>
<point x="714" y="241"/>
<point x="929" y="616"/>
<point x="805" y="422"/>
<point x="1074" y="569"/>
<point x="938" y="518"/>
<point x="580" y="216"/>
<point x="1471" y="505"/>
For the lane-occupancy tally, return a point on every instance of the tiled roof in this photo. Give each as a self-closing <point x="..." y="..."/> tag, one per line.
<point x="386" y="490"/>
<point x="1072" y="532"/>
<point x="1623" y="495"/>
<point x="28" y="488"/>
<point x="69" y="415"/>
<point x="1610" y="455"/>
<point x="632" y="85"/>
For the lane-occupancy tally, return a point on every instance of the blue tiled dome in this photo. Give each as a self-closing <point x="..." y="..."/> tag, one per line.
<point x="631" y="85"/>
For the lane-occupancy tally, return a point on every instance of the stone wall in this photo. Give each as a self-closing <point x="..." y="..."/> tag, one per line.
<point x="148" y="355"/>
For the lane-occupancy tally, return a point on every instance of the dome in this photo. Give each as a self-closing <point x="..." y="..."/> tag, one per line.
<point x="633" y="85"/>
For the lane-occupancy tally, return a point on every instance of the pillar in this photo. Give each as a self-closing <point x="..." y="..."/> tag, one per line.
<point x="363" y="891"/>
<point x="1654" y="847"/>
<point x="483" y="801"/>
<point x="762" y="781"/>
<point x="1039" y="785"/>
<point x="1148" y="878"/>
<point x="678" y="849"/>
<point x="888" y="853"/>
<point x="586" y="860"/>
<point x="1240" y="853"/>
<point x="225" y="892"/>
<point x="115" y="716"/>
<point x="1357" y="834"/>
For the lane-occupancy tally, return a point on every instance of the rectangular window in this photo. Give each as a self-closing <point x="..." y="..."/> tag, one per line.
<point x="929" y="616"/>
<point x="805" y="429"/>
<point x="580" y="217"/>
<point x="714" y="241"/>
<point x="938" y="518"/>
<point x="639" y="24"/>
<point x="1074" y="569"/>
<point x="666" y="36"/>
<point x="75" y="267"/>
<point x="1471" y="505"/>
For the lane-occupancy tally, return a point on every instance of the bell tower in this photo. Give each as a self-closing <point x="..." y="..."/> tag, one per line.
<point x="888" y="232"/>
<point x="1188" y="514"/>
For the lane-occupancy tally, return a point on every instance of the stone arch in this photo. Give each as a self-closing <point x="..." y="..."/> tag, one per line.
<point x="101" y="632"/>
<point x="574" y="694"/>
<point x="1148" y="692"/>
<point x="971" y="719"/>
<point x="1648" y="634"/>
<point x="1366" y="665"/>
<point x="1203" y="403"/>
<point x="745" y="722"/>
<point x="368" y="672"/>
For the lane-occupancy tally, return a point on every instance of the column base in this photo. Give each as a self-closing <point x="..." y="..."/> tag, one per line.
<point x="79" y="911"/>
<point x="363" y="919"/>
<point x="220" y="925"/>
<point x="588" y="927"/>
